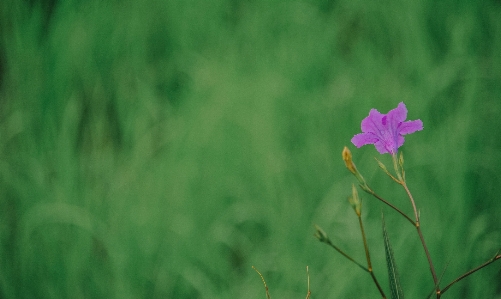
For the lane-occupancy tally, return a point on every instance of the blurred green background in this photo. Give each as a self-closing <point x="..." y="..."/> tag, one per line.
<point x="159" y="149"/>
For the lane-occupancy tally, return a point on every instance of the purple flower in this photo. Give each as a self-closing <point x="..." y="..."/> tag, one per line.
<point x="386" y="131"/>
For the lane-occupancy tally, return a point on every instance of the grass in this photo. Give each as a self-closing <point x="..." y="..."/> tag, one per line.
<point x="159" y="149"/>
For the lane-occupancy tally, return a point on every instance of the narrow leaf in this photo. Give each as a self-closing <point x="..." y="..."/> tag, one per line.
<point x="396" y="289"/>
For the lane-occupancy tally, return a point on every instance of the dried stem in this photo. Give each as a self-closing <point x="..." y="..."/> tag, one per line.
<point x="309" y="292"/>
<point x="264" y="282"/>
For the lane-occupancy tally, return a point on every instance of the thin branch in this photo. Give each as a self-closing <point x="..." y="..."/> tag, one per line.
<point x="371" y="192"/>
<point x="412" y="200"/>
<point x="400" y="173"/>
<point x="368" y="257"/>
<point x="421" y="238"/>
<point x="328" y="242"/>
<point x="490" y="261"/>
<point x="428" y="257"/>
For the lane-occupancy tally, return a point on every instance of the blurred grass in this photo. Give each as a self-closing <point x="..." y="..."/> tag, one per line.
<point x="158" y="149"/>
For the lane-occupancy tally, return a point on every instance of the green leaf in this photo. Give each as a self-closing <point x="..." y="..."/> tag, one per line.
<point x="396" y="289"/>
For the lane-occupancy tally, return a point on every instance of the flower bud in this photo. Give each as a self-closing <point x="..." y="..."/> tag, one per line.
<point x="347" y="157"/>
<point x="321" y="235"/>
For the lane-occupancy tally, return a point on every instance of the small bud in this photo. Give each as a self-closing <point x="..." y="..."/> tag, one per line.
<point x="355" y="201"/>
<point x="321" y="235"/>
<point x="382" y="166"/>
<point x="347" y="157"/>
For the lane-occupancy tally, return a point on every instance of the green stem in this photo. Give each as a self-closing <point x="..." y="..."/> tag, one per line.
<point x="492" y="260"/>
<point x="328" y="242"/>
<point x="428" y="257"/>
<point x="371" y="192"/>
<point x="368" y="257"/>
<point x="412" y="200"/>
<point x="418" y="227"/>
<point x="400" y="176"/>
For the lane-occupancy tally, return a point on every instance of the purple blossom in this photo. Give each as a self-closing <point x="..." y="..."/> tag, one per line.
<point x="386" y="131"/>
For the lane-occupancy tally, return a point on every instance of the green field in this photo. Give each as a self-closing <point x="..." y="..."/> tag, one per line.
<point x="160" y="149"/>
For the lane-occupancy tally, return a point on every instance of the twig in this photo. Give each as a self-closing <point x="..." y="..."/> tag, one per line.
<point x="490" y="261"/>
<point x="368" y="257"/>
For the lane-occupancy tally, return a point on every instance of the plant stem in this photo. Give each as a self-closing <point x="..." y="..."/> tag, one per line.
<point x="367" y="255"/>
<point x="328" y="242"/>
<point x="371" y="192"/>
<point x="428" y="257"/>
<point x="400" y="174"/>
<point x="418" y="228"/>
<point x="495" y="258"/>
<point x="412" y="200"/>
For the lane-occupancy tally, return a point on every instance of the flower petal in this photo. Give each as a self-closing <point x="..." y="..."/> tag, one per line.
<point x="373" y="123"/>
<point x="395" y="117"/>
<point x="410" y="126"/>
<point x="363" y="139"/>
<point x="398" y="114"/>
<point x="381" y="147"/>
<point x="400" y="141"/>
